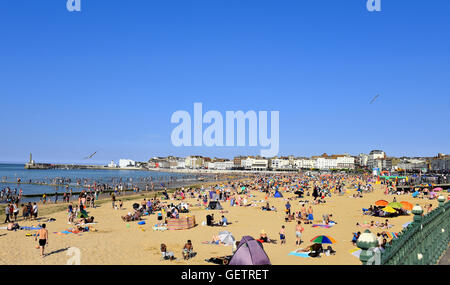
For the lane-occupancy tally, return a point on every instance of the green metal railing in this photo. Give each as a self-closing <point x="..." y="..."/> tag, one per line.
<point x="421" y="243"/>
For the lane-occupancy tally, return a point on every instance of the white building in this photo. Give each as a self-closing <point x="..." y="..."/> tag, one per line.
<point x="255" y="163"/>
<point x="260" y="164"/>
<point x="247" y="163"/>
<point x="345" y="162"/>
<point x="194" y="162"/>
<point x="112" y="164"/>
<point x="363" y="159"/>
<point x="326" y="163"/>
<point x="279" y="163"/>
<point x="304" y="163"/>
<point x="124" y="163"/>
<point x="220" y="165"/>
<point x="377" y="154"/>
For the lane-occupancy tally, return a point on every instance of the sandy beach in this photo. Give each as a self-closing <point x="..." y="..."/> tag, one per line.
<point x="114" y="243"/>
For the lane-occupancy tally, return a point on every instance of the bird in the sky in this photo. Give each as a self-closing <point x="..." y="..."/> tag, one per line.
<point x="89" y="157"/>
<point x="374" y="98"/>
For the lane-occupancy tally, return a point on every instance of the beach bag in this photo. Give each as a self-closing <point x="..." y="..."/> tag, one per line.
<point x="314" y="254"/>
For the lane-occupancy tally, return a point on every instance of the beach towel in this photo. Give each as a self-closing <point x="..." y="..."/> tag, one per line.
<point x="210" y="242"/>
<point x="159" y="228"/>
<point x="392" y="235"/>
<point x="30" y="228"/>
<point x="299" y="254"/>
<point x="355" y="252"/>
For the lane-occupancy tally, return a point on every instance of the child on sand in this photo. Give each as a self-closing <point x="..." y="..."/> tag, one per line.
<point x="298" y="232"/>
<point x="283" y="235"/>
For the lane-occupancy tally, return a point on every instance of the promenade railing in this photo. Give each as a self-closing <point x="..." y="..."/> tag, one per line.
<point x="422" y="242"/>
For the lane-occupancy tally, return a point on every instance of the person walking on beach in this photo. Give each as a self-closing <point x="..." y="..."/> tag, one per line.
<point x="43" y="238"/>
<point x="113" y="198"/>
<point x="298" y="232"/>
<point x="8" y="213"/>
<point x="288" y="208"/>
<point x="283" y="235"/>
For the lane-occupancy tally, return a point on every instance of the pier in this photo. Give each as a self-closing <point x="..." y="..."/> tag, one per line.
<point x="69" y="166"/>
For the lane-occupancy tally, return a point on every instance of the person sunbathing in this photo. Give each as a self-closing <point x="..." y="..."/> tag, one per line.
<point x="130" y="218"/>
<point x="315" y="247"/>
<point x="83" y="221"/>
<point x="263" y="237"/>
<point x="13" y="226"/>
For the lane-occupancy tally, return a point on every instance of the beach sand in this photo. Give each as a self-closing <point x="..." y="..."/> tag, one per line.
<point x="114" y="243"/>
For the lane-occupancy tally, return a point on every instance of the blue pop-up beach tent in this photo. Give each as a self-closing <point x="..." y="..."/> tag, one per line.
<point x="277" y="194"/>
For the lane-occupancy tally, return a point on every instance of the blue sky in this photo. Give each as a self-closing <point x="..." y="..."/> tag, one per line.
<point x="108" y="78"/>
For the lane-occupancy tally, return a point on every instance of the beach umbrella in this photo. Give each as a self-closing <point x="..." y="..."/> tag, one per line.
<point x="389" y="209"/>
<point x="395" y="205"/>
<point x="324" y="239"/>
<point x="381" y="203"/>
<point x="226" y="238"/>
<point x="406" y="205"/>
<point x="437" y="189"/>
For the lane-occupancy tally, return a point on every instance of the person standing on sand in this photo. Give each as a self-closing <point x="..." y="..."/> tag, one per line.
<point x="43" y="238"/>
<point x="283" y="235"/>
<point x="310" y="215"/>
<point x="16" y="210"/>
<point x="303" y="212"/>
<point x="8" y="213"/>
<point x="113" y="198"/>
<point x="298" y="233"/>
<point x="34" y="211"/>
<point x="288" y="208"/>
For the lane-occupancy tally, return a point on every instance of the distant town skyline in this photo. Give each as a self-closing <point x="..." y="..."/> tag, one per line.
<point x="104" y="162"/>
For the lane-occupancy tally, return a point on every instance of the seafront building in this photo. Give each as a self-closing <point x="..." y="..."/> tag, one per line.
<point x="124" y="163"/>
<point x="376" y="160"/>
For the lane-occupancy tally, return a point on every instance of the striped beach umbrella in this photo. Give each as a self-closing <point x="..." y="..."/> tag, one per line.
<point x="324" y="239"/>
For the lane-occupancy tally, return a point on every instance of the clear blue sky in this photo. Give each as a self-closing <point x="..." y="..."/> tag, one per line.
<point x="109" y="78"/>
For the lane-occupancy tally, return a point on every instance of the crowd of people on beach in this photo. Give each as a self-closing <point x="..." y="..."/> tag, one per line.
<point x="302" y="194"/>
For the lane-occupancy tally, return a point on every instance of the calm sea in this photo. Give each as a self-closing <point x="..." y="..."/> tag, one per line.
<point x="11" y="172"/>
